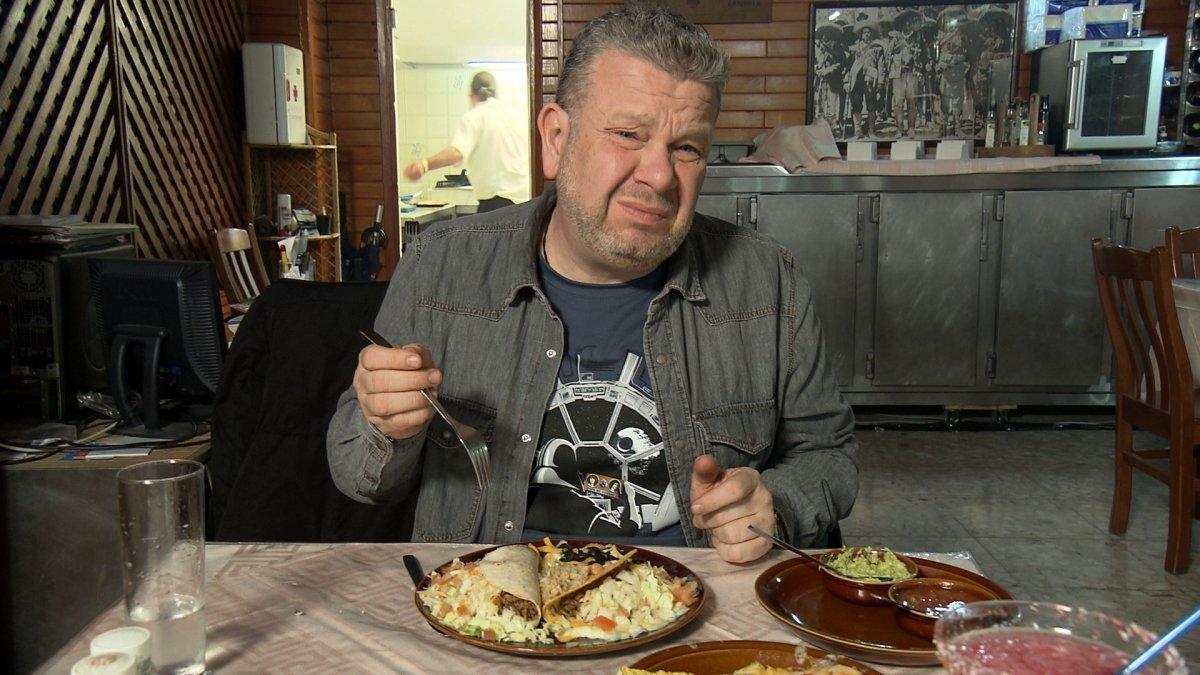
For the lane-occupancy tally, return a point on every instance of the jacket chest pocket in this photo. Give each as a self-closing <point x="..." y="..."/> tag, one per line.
<point x="451" y="502"/>
<point x="739" y="434"/>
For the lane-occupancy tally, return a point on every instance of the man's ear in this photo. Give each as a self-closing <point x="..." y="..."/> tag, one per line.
<point x="553" y="125"/>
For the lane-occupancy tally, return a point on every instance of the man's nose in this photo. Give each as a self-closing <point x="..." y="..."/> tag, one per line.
<point x="655" y="169"/>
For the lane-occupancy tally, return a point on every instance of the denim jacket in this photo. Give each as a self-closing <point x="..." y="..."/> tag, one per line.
<point x="736" y="359"/>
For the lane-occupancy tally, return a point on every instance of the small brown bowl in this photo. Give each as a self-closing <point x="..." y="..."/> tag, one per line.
<point x="858" y="591"/>
<point x="921" y="602"/>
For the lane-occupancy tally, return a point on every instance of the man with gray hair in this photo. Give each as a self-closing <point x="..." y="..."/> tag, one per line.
<point x="642" y="373"/>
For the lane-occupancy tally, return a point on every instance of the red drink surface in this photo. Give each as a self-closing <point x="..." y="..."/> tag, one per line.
<point x="1028" y="651"/>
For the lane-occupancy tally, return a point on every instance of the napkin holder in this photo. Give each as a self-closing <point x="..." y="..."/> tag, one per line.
<point x="862" y="151"/>
<point x="908" y="150"/>
<point x="955" y="149"/>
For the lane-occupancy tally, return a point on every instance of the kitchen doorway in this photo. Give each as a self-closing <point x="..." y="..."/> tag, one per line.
<point x="438" y="47"/>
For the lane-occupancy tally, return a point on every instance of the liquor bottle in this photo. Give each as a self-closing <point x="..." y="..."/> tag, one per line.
<point x="1024" y="137"/>
<point x="989" y="133"/>
<point x="1043" y="120"/>
<point x="1014" y="123"/>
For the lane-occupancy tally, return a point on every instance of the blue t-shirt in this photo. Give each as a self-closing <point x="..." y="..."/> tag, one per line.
<point x="600" y="469"/>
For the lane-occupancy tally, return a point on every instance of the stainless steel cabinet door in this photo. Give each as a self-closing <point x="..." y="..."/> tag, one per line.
<point x="822" y="232"/>
<point x="1049" y="327"/>
<point x="1156" y="209"/>
<point x="927" y="289"/>
<point x="718" y="206"/>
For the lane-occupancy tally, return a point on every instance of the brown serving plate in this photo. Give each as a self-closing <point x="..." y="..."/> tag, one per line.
<point x="715" y="658"/>
<point x="792" y="591"/>
<point x="576" y="647"/>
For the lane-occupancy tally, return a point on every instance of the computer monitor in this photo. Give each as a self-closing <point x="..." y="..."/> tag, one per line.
<point x="161" y="322"/>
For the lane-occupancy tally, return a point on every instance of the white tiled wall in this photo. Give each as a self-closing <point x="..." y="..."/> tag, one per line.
<point x="429" y="102"/>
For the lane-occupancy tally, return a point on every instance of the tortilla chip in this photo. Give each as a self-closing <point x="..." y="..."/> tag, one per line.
<point x="561" y="578"/>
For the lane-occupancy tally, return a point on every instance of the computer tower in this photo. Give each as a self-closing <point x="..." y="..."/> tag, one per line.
<point x="50" y="342"/>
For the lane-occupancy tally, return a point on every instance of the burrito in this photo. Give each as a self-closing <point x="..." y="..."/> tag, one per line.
<point x="494" y="598"/>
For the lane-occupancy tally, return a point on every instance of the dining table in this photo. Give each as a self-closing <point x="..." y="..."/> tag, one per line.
<point x="349" y="608"/>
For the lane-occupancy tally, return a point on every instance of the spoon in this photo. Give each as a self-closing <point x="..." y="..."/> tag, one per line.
<point x="784" y="545"/>
<point x="1169" y="636"/>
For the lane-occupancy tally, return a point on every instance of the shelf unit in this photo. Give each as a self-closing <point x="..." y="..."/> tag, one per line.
<point x="1189" y="85"/>
<point x="309" y="174"/>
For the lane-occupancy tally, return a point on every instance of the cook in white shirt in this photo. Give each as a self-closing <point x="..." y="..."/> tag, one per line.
<point x="491" y="139"/>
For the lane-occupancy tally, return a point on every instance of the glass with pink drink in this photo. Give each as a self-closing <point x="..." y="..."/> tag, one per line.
<point x="1036" y="638"/>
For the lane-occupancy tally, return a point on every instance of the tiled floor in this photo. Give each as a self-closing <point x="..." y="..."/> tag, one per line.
<point x="1032" y="507"/>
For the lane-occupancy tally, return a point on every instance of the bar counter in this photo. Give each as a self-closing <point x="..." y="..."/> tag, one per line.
<point x="970" y="289"/>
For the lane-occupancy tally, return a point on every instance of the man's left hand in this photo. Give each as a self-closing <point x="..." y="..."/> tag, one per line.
<point x="726" y="502"/>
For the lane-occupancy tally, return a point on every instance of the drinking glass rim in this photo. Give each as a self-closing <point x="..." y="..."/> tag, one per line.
<point x="123" y="476"/>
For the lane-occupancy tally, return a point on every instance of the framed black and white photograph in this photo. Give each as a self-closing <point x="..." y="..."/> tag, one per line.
<point x="913" y="70"/>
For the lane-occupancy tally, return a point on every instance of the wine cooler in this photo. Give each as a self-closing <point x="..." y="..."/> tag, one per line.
<point x="1189" y="106"/>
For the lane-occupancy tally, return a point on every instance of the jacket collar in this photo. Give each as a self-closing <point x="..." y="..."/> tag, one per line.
<point x="683" y="267"/>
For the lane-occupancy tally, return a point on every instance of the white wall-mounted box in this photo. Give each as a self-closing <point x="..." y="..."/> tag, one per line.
<point x="273" y="77"/>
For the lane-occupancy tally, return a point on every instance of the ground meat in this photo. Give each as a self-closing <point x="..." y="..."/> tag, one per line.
<point x="569" y="606"/>
<point x="521" y="607"/>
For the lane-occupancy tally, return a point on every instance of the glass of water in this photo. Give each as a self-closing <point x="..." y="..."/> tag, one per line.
<point x="162" y="546"/>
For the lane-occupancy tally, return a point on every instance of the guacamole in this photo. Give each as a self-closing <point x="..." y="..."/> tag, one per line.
<point x="869" y="564"/>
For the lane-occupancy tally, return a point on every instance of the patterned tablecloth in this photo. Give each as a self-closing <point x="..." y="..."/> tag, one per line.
<point x="348" y="608"/>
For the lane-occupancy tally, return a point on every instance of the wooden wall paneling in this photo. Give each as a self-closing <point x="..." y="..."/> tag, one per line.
<point x="58" y="112"/>
<point x="181" y="71"/>
<point x="36" y="69"/>
<point x="123" y="110"/>
<point x="319" y="44"/>
<point x="274" y="21"/>
<point x="153" y="137"/>
<point x="58" y="71"/>
<point x="361" y="103"/>
<point x="769" y="62"/>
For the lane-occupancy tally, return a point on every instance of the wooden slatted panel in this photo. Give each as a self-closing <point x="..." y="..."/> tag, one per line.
<point x="357" y="109"/>
<point x="321" y="101"/>
<point x="274" y="21"/>
<point x="180" y="70"/>
<point x="57" y="114"/>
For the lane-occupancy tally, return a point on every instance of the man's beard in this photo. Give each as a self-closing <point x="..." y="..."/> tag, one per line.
<point x="590" y="228"/>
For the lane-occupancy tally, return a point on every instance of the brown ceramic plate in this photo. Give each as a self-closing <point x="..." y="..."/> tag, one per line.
<point x="716" y="658"/>
<point x="792" y="591"/>
<point x="576" y="647"/>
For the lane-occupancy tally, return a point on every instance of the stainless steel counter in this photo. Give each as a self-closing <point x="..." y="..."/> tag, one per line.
<point x="1121" y="172"/>
<point x="970" y="289"/>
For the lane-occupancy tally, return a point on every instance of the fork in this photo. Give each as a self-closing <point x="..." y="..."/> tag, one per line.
<point x="468" y="437"/>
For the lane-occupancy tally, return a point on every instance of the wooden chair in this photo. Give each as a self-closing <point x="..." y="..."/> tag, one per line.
<point x="239" y="265"/>
<point x="1184" y="249"/>
<point x="1154" y="387"/>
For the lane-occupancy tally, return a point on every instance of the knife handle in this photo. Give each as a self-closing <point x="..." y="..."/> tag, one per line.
<point x="414" y="569"/>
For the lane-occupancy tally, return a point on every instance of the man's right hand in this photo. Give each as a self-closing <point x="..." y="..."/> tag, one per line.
<point x="389" y="381"/>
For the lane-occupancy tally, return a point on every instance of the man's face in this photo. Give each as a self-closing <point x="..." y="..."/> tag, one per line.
<point x="631" y="165"/>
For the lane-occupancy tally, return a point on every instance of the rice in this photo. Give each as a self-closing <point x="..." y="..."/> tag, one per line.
<point x="638" y="599"/>
<point x="464" y="600"/>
